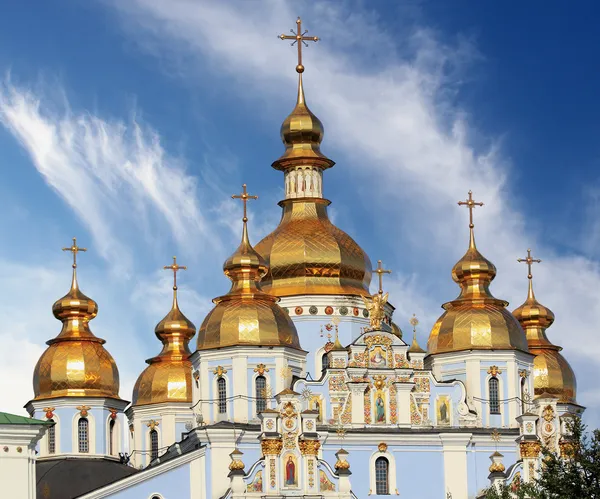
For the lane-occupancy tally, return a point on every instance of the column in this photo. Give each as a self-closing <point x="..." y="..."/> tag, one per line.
<point x="239" y="382"/>
<point x="358" y="402"/>
<point x="403" y="391"/>
<point x="455" y="464"/>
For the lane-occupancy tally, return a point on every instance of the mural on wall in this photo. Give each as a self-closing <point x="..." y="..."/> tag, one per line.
<point x="257" y="483"/>
<point x="377" y="357"/>
<point x="379" y="406"/>
<point x="326" y="484"/>
<point x="290" y="471"/>
<point x="443" y="410"/>
<point x="315" y="404"/>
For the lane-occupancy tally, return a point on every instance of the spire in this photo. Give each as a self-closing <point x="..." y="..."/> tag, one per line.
<point x="301" y="131"/>
<point x="473" y="272"/>
<point x="529" y="261"/>
<point x="414" y="347"/>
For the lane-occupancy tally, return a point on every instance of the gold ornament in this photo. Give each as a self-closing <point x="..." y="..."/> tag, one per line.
<point x="83" y="410"/>
<point x="261" y="369"/>
<point x="382" y="447"/>
<point x="271" y="446"/>
<point x="497" y="468"/>
<point x="219" y="371"/>
<point x="523" y="373"/>
<point x="375" y="305"/>
<point x="530" y="449"/>
<point x="548" y="413"/>
<point x="309" y="447"/>
<point x="494" y="371"/>
<point x="236" y="462"/>
<point x="495" y="435"/>
<point x="152" y="424"/>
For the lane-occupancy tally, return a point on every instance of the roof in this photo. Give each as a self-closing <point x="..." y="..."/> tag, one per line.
<point x="13" y="419"/>
<point x="67" y="478"/>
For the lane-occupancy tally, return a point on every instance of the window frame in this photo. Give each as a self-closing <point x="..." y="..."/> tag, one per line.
<point x="378" y="480"/>
<point x="494" y="395"/>
<point x="83" y="435"/>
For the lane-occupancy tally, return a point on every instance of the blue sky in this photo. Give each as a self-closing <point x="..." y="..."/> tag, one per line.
<point x="130" y="123"/>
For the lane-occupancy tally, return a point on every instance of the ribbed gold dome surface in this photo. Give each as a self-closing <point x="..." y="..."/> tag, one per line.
<point x="552" y="374"/>
<point x="75" y="364"/>
<point x="168" y="378"/>
<point x="307" y="254"/>
<point x="475" y="320"/>
<point x="246" y="315"/>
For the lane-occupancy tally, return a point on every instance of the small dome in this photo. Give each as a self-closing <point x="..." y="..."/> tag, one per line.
<point x="475" y="320"/>
<point x="552" y="374"/>
<point x="246" y="315"/>
<point x="396" y="330"/>
<point x="168" y="378"/>
<point x="75" y="364"/>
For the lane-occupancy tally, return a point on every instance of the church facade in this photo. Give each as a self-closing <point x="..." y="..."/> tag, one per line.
<point x="299" y="382"/>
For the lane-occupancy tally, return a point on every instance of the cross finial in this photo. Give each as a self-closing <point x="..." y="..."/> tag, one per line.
<point x="244" y="196"/>
<point x="380" y="271"/>
<point x="470" y="203"/>
<point x="529" y="260"/>
<point x="175" y="268"/>
<point x="74" y="249"/>
<point x="300" y="39"/>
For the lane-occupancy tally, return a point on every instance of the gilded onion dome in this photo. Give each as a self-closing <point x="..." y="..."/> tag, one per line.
<point x="168" y="377"/>
<point x="246" y="315"/>
<point x="306" y="253"/>
<point x="552" y="374"/>
<point x="476" y="320"/>
<point x="75" y="364"/>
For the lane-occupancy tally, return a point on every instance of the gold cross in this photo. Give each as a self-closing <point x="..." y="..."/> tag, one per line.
<point x="380" y="271"/>
<point x="529" y="260"/>
<point x="299" y="38"/>
<point x="244" y="196"/>
<point x="469" y="203"/>
<point x="74" y="249"/>
<point x="175" y="268"/>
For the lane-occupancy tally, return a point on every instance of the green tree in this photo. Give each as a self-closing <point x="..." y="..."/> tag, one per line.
<point x="577" y="477"/>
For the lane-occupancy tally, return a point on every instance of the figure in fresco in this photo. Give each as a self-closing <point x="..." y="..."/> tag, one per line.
<point x="379" y="409"/>
<point x="377" y="357"/>
<point x="290" y="472"/>
<point x="443" y="411"/>
<point x="257" y="484"/>
<point x="318" y="409"/>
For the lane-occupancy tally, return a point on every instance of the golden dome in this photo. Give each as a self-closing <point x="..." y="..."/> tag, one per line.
<point x="396" y="330"/>
<point x="476" y="320"/>
<point x="75" y="364"/>
<point x="168" y="378"/>
<point x="306" y="253"/>
<point x="246" y="315"/>
<point x="552" y="374"/>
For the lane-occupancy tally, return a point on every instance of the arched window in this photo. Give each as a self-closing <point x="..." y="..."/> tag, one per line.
<point x="51" y="438"/>
<point x="260" y="384"/>
<point x="111" y="437"/>
<point x="222" y="392"/>
<point x="494" y="401"/>
<point x="325" y="361"/>
<point x="83" y="435"/>
<point x="153" y="444"/>
<point x="382" y="476"/>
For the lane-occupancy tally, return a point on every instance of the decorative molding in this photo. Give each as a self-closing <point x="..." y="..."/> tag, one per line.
<point x="83" y="410"/>
<point x="271" y="446"/>
<point x="382" y="447"/>
<point x="261" y="369"/>
<point x="219" y="371"/>
<point x="152" y="424"/>
<point x="494" y="371"/>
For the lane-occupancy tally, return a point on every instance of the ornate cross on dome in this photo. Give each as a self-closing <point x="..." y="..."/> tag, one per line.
<point x="380" y="271"/>
<point x="175" y="268"/>
<point x="529" y="260"/>
<point x="469" y="203"/>
<point x="244" y="196"/>
<point x="299" y="39"/>
<point x="74" y="249"/>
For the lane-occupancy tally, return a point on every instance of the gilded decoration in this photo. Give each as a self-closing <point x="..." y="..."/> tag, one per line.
<point x="311" y="473"/>
<point x="548" y="413"/>
<point x="83" y="410"/>
<point x="379" y="381"/>
<point x="336" y="383"/>
<point x="377" y="339"/>
<point x="494" y="371"/>
<point x="342" y="464"/>
<point x="49" y="412"/>
<point x="152" y="424"/>
<point x="271" y="446"/>
<point x="523" y="373"/>
<point x="497" y="468"/>
<point x="530" y="449"/>
<point x="476" y="320"/>
<point x="325" y="485"/>
<point x="367" y="406"/>
<point x="113" y="413"/>
<point x="261" y="369"/>
<point x="219" y="371"/>
<point x="272" y="476"/>
<point x="236" y="462"/>
<point x="401" y="361"/>
<point x="309" y="447"/>
<point x="75" y="364"/>
<point x="382" y="447"/>
<point x="375" y="305"/>
<point x="422" y="384"/>
<point x="289" y="440"/>
<point x="495" y="435"/>
<point x="567" y="448"/>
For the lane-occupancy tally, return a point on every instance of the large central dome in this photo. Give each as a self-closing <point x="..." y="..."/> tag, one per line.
<point x="306" y="253"/>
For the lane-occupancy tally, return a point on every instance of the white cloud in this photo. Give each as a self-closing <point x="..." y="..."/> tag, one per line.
<point x="116" y="176"/>
<point x="392" y="119"/>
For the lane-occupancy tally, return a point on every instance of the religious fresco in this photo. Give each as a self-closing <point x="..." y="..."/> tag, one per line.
<point x="326" y="485"/>
<point x="380" y="407"/>
<point x="290" y="470"/>
<point x="377" y="357"/>
<point x="442" y="410"/>
<point x="316" y="404"/>
<point x="257" y="483"/>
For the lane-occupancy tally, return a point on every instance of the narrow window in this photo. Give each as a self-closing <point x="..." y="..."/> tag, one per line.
<point x="51" y="438"/>
<point x="325" y="361"/>
<point x="522" y="395"/>
<point x="494" y="402"/>
<point x="382" y="476"/>
<point x="83" y="434"/>
<point x="111" y="437"/>
<point x="153" y="444"/>
<point x="260" y="384"/>
<point x="222" y="391"/>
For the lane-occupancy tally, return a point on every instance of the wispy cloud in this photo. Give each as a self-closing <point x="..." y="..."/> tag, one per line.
<point x="115" y="175"/>
<point x="398" y="116"/>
